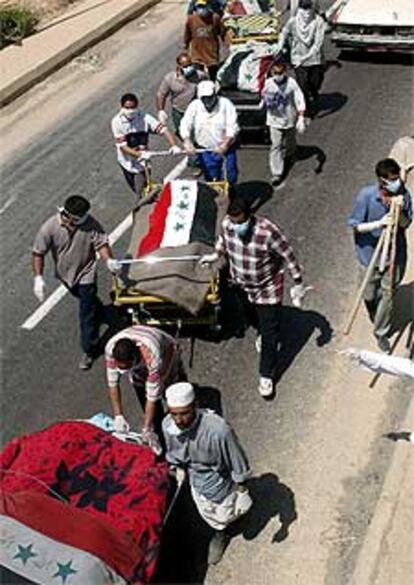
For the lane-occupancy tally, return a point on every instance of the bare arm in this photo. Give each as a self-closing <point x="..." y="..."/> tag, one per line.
<point x="131" y="151"/>
<point x="149" y="414"/>
<point x="170" y="137"/>
<point x="105" y="252"/>
<point x="116" y="399"/>
<point x="38" y="263"/>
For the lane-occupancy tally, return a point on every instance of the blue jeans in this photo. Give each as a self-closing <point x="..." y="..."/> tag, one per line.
<point x="90" y="314"/>
<point x="212" y="165"/>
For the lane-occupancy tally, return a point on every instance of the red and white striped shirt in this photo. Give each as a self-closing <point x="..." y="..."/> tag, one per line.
<point x="159" y="352"/>
<point x="257" y="259"/>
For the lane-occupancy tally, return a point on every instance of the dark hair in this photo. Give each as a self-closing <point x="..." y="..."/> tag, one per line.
<point x="238" y="205"/>
<point x="125" y="350"/>
<point x="128" y="97"/>
<point x="77" y="205"/>
<point x="386" y="167"/>
<point x="279" y="59"/>
<point x="306" y="4"/>
<point x="181" y="55"/>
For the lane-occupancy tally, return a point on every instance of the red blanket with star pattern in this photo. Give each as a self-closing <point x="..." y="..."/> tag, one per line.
<point x="79" y="485"/>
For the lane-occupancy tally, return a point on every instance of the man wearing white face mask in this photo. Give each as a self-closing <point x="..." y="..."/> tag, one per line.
<point x="131" y="129"/>
<point x="369" y="216"/>
<point x="257" y="252"/>
<point x="285" y="105"/>
<point x="304" y="33"/>
<point x="74" y="238"/>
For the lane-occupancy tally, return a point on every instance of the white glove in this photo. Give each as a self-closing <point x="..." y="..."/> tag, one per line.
<point x="208" y="259"/>
<point x="162" y="116"/>
<point x="370" y="226"/>
<point x="399" y="200"/>
<point x="120" y="424"/>
<point x="243" y="502"/>
<point x="113" y="265"/>
<point x="152" y="440"/>
<point x="144" y="155"/>
<point x="180" y="475"/>
<point x="175" y="150"/>
<point x="301" y="125"/>
<point x="39" y="288"/>
<point x="297" y="294"/>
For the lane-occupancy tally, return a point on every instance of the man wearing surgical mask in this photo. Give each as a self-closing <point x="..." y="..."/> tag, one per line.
<point x="151" y="358"/>
<point x="258" y="252"/>
<point x="202" y="35"/>
<point x="131" y="128"/>
<point x="285" y="115"/>
<point x="180" y="87"/>
<point x="304" y="34"/>
<point x="369" y="216"/>
<point x="210" y="123"/>
<point x="74" y="239"/>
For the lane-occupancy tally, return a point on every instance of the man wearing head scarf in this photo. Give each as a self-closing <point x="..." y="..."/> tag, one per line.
<point x="74" y="238"/>
<point x="204" y="445"/>
<point x="304" y="34"/>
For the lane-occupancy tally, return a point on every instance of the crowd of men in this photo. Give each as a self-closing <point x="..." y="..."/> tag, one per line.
<point x="197" y="441"/>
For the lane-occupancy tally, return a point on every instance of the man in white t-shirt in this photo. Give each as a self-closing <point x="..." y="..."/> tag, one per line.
<point x="212" y="120"/>
<point x="285" y="105"/>
<point x="131" y="128"/>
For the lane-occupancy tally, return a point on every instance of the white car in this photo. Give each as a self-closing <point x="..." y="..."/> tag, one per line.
<point x="376" y="25"/>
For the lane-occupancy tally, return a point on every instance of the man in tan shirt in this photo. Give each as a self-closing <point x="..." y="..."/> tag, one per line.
<point x="202" y="34"/>
<point x="74" y="238"/>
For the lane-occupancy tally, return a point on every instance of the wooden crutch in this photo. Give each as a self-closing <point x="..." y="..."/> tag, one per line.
<point x="388" y="232"/>
<point x="396" y="221"/>
<point x="361" y="291"/>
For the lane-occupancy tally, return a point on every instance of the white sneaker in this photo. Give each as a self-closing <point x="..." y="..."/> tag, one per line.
<point x="258" y="343"/>
<point x="266" y="388"/>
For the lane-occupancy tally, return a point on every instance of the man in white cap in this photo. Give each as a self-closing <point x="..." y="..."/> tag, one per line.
<point x="204" y="445"/>
<point x="212" y="121"/>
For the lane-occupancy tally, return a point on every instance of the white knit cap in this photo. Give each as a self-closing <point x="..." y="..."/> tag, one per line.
<point x="206" y="88"/>
<point x="180" y="395"/>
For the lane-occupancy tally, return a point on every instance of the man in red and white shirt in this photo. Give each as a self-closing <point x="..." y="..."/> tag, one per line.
<point x="257" y="252"/>
<point x="152" y="359"/>
<point x="131" y="129"/>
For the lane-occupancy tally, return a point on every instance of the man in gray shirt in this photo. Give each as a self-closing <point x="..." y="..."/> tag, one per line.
<point x="74" y="238"/>
<point x="203" y="444"/>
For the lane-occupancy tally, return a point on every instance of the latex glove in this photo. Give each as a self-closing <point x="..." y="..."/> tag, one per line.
<point x="151" y="439"/>
<point x="113" y="265"/>
<point x="301" y="125"/>
<point x="370" y="226"/>
<point x="39" y="288"/>
<point x="208" y="259"/>
<point x="399" y="200"/>
<point x="189" y="147"/>
<point x="120" y="424"/>
<point x="144" y="155"/>
<point x="297" y="294"/>
<point x="175" y="150"/>
<point x="162" y="116"/>
<point x="243" y="501"/>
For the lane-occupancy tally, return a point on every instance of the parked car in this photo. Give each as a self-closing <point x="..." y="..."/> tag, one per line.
<point x="374" y="25"/>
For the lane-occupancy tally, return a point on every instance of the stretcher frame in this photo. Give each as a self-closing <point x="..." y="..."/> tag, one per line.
<point x="156" y="311"/>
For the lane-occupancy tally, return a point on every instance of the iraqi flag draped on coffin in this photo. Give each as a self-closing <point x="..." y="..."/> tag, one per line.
<point x="246" y="67"/>
<point x="185" y="212"/>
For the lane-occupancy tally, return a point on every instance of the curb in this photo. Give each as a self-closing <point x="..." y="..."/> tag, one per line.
<point x="370" y="554"/>
<point x="57" y="60"/>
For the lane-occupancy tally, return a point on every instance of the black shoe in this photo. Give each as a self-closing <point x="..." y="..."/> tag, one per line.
<point x="277" y="181"/>
<point x="384" y="344"/>
<point x="218" y="545"/>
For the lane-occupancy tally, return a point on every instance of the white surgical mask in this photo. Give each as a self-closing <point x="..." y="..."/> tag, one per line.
<point x="392" y="186"/>
<point x="122" y="372"/>
<point x="241" y="228"/>
<point x="280" y="78"/>
<point x="129" y="112"/>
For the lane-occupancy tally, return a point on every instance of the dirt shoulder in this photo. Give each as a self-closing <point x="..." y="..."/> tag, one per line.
<point x="45" y="10"/>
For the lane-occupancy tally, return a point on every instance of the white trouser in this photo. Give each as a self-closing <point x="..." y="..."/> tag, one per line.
<point x="283" y="145"/>
<point x="220" y="515"/>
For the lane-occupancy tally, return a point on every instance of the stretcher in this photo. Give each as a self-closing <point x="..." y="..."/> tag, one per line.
<point x="168" y="287"/>
<point x="81" y="504"/>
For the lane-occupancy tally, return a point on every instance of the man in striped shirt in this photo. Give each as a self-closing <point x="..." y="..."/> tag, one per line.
<point x="257" y="252"/>
<point x="152" y="360"/>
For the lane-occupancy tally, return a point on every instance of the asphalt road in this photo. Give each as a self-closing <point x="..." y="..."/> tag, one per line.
<point x="366" y="108"/>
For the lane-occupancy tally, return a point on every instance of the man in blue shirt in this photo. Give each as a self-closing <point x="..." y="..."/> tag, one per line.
<point x="370" y="215"/>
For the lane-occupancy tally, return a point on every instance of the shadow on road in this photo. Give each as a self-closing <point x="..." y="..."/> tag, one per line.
<point x="403" y="314"/>
<point x="377" y="58"/>
<point x="329" y="103"/>
<point x="303" y="152"/>
<point x="184" y="548"/>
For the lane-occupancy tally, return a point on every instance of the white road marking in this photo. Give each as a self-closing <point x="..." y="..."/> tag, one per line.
<point x="57" y="295"/>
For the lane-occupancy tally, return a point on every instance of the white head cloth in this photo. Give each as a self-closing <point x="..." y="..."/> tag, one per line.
<point x="180" y="395"/>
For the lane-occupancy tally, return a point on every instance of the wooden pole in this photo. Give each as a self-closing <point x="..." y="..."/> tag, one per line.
<point x="393" y="258"/>
<point x="361" y="291"/>
<point x="388" y="231"/>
